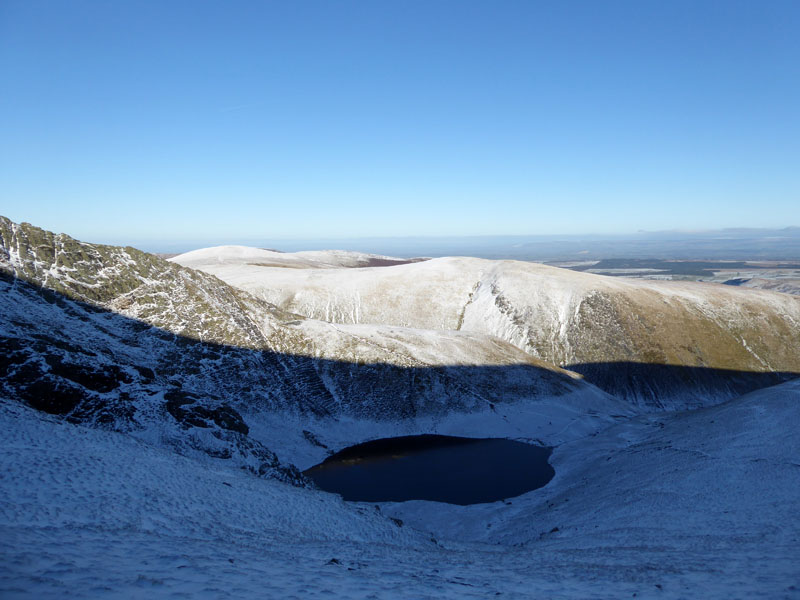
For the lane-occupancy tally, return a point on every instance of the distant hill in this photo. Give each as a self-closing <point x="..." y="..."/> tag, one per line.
<point x="658" y="343"/>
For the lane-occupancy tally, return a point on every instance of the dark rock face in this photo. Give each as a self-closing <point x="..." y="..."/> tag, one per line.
<point x="267" y="463"/>
<point x="188" y="410"/>
<point x="60" y="379"/>
<point x="111" y="379"/>
<point x="229" y="434"/>
<point x="147" y="375"/>
<point x="313" y="439"/>
<point x="53" y="395"/>
<point x="101" y="379"/>
<point x="12" y="356"/>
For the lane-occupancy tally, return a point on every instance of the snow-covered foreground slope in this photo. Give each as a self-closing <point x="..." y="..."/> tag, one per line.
<point x="734" y="465"/>
<point x="710" y="496"/>
<point x="677" y="506"/>
<point x="611" y="329"/>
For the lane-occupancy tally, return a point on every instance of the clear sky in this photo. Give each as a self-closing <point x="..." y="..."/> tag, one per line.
<point x="221" y="120"/>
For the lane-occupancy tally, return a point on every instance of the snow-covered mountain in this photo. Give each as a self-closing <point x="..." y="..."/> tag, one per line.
<point x="659" y="343"/>
<point x="121" y="338"/>
<point x="222" y="257"/>
<point x="156" y="420"/>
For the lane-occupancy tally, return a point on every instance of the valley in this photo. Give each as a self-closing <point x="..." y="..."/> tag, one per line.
<point x="399" y="300"/>
<point x="160" y="416"/>
<point x="781" y="276"/>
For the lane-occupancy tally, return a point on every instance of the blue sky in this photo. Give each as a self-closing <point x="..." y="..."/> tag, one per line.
<point x="205" y="120"/>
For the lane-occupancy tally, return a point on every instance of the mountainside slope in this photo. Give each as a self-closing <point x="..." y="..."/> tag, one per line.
<point x="786" y="285"/>
<point x="135" y="343"/>
<point x="713" y="490"/>
<point x="614" y="330"/>
<point x="202" y="383"/>
<point x="670" y="506"/>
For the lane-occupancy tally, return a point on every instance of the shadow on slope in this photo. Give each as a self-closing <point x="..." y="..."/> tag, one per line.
<point x="94" y="366"/>
<point x="68" y="357"/>
<point x="665" y="386"/>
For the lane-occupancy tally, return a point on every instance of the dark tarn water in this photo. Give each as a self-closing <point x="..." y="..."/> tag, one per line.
<point x="434" y="467"/>
<point x="736" y="281"/>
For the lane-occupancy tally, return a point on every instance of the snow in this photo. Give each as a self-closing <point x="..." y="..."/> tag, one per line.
<point x="279" y="359"/>
<point x="667" y="505"/>
<point x="441" y="293"/>
<point x="421" y="295"/>
<point x="219" y="256"/>
<point x="548" y="421"/>
<point x="698" y="504"/>
<point x="786" y="285"/>
<point x="561" y="316"/>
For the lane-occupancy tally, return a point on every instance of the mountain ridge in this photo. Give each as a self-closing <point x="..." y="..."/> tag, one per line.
<point x="563" y="317"/>
<point x="170" y="460"/>
<point x="174" y="354"/>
